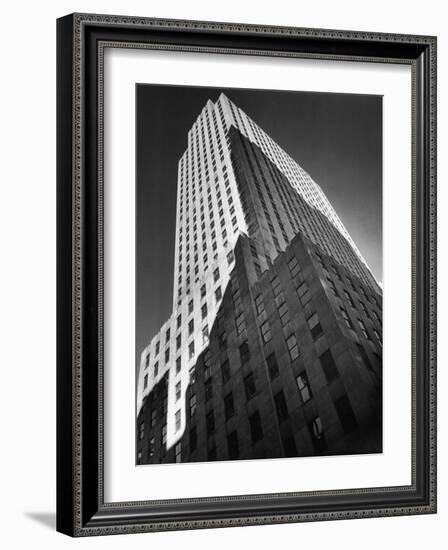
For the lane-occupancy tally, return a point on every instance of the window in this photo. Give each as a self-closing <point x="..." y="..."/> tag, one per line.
<point x="363" y="328"/>
<point x="259" y="304"/>
<point x="293" y="266"/>
<point x="168" y="335"/>
<point x="208" y="389"/>
<point x="164" y="434"/>
<point x="157" y="348"/>
<point x="151" y="449"/>
<point x="178" y="341"/>
<point x="145" y="382"/>
<point x="346" y="317"/>
<point x="304" y="294"/>
<point x="179" y="321"/>
<point x="304" y="388"/>
<point x="244" y="353"/>
<point x="240" y="324"/>
<point x="204" y="311"/>
<point x="178" y="391"/>
<point x="192" y="404"/>
<point x="190" y="306"/>
<point x="203" y="291"/>
<point x="317" y="434"/>
<point x="280" y="406"/>
<point x="232" y="445"/>
<point x="178" y="365"/>
<point x="230" y="257"/>
<point x="346" y="415"/>
<point x="293" y="347"/>
<point x="205" y="334"/>
<point x="349" y="298"/>
<point x="141" y="431"/>
<point x="225" y="372"/>
<point x="272" y="365"/>
<point x="178" y="452"/>
<point x="218" y="294"/>
<point x="191" y="350"/>
<point x="190" y="327"/>
<point x="266" y="332"/>
<point x="256" y="430"/>
<point x="229" y="408"/>
<point x="332" y="287"/>
<point x="210" y="423"/>
<point x="314" y="326"/>
<point x="276" y="287"/>
<point x="249" y="385"/>
<point x="193" y="439"/>
<point x="147" y="361"/>
<point x="167" y="355"/>
<point x="222" y="340"/>
<point x="156" y="369"/>
<point x="153" y="417"/>
<point x="216" y="274"/>
<point x="177" y="419"/>
<point x="284" y="313"/>
<point x="377" y="336"/>
<point x="328" y="366"/>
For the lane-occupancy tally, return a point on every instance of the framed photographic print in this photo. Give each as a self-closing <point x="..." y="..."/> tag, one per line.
<point x="246" y="274"/>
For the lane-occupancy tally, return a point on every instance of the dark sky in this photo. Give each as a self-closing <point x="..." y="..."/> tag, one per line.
<point x="336" y="138"/>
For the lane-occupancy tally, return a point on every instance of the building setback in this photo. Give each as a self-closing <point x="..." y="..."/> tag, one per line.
<point x="274" y="345"/>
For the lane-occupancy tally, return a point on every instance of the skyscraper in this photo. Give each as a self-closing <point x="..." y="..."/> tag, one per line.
<point x="276" y="322"/>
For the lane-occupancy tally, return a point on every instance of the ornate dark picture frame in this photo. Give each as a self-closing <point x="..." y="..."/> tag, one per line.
<point x="81" y="509"/>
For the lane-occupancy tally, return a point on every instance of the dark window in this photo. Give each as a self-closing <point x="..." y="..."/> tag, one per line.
<point x="290" y="446"/>
<point x="280" y="406"/>
<point x="190" y="306"/>
<point x="232" y="444"/>
<point x="204" y="311"/>
<point x="256" y="430"/>
<point x="153" y="417"/>
<point x="178" y="341"/>
<point x="218" y="294"/>
<point x="141" y="433"/>
<point x="346" y="415"/>
<point x="272" y="365"/>
<point x="244" y="353"/>
<point x="216" y="274"/>
<point x="210" y="423"/>
<point x="193" y="404"/>
<point x="177" y="419"/>
<point x="317" y="434"/>
<point x="225" y="371"/>
<point x="193" y="439"/>
<point x="151" y="449"/>
<point x="178" y="452"/>
<point x="249" y="385"/>
<point x="328" y="365"/>
<point x="314" y="326"/>
<point x="208" y="388"/>
<point x="191" y="326"/>
<point x="229" y="407"/>
<point x="179" y="321"/>
<point x="178" y="365"/>
<point x="167" y="355"/>
<point x="145" y="382"/>
<point x="303" y="386"/>
<point x="222" y="341"/>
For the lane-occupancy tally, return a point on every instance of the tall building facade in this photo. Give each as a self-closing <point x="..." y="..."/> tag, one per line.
<point x="273" y="347"/>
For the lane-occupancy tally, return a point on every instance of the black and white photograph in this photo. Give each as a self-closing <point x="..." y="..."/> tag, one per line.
<point x="258" y="274"/>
